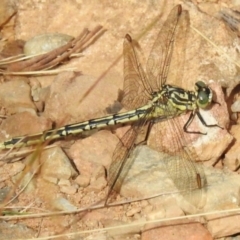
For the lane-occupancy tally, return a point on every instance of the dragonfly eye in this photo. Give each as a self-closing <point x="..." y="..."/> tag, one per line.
<point x="204" y="94"/>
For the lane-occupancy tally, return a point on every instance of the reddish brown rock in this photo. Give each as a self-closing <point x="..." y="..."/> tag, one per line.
<point x="191" y="231"/>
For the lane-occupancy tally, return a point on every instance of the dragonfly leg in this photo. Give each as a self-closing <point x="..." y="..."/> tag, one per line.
<point x="205" y="124"/>
<point x="189" y="121"/>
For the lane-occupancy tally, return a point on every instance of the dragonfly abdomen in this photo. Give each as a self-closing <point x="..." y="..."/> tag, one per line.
<point x="73" y="129"/>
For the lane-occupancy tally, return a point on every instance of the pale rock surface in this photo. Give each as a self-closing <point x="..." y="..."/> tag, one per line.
<point x="133" y="211"/>
<point x="224" y="225"/>
<point x="64" y="182"/>
<point x="147" y="176"/>
<point x="236" y="106"/>
<point x="70" y="190"/>
<point x="56" y="164"/>
<point x="122" y="230"/>
<point x="97" y="236"/>
<point x="82" y="180"/>
<point x="45" y="43"/>
<point x="63" y="204"/>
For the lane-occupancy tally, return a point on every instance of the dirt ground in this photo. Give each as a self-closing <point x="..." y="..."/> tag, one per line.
<point x="58" y="189"/>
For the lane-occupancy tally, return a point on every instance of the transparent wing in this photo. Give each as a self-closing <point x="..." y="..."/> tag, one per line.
<point x="187" y="175"/>
<point x="134" y="91"/>
<point x="166" y="59"/>
<point x="120" y="157"/>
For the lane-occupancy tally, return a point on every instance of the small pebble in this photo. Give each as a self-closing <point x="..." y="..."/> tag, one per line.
<point x="98" y="172"/>
<point x="68" y="189"/>
<point x="98" y="185"/>
<point x="51" y="179"/>
<point x="45" y="43"/>
<point x="63" y="204"/>
<point x="64" y="182"/>
<point x="56" y="164"/>
<point x="82" y="180"/>
<point x="133" y="211"/>
<point x="3" y="193"/>
<point x="236" y="106"/>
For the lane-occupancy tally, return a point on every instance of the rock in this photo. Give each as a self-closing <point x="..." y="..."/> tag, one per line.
<point x="222" y="225"/>
<point x="63" y="204"/>
<point x="15" y="231"/>
<point x="90" y="154"/>
<point x="4" y="193"/>
<point x="56" y="164"/>
<point x="62" y="104"/>
<point x="236" y="106"/>
<point x="232" y="157"/>
<point x="133" y="211"/>
<point x="182" y="231"/>
<point x="120" y="229"/>
<point x="97" y="185"/>
<point x="97" y="236"/>
<point x="15" y="96"/>
<point x="64" y="182"/>
<point x="51" y="180"/>
<point x="10" y="170"/>
<point x="13" y="48"/>
<point x="68" y="189"/>
<point x="215" y="64"/>
<point x="98" y="173"/>
<point x="82" y="180"/>
<point x="45" y="43"/>
<point x="7" y="9"/>
<point x="147" y="177"/>
<point x="27" y="123"/>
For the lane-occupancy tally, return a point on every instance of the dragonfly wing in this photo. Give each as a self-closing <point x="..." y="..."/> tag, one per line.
<point x="187" y="175"/>
<point x="166" y="59"/>
<point x="134" y="92"/>
<point x="119" y="164"/>
<point x="123" y="154"/>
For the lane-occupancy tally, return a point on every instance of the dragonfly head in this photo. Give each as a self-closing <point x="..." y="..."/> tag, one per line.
<point x="204" y="94"/>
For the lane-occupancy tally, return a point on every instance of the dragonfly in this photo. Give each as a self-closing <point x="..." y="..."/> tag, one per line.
<point x="148" y="101"/>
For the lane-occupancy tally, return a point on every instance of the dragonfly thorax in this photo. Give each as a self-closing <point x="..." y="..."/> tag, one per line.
<point x="179" y="98"/>
<point x="203" y="94"/>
